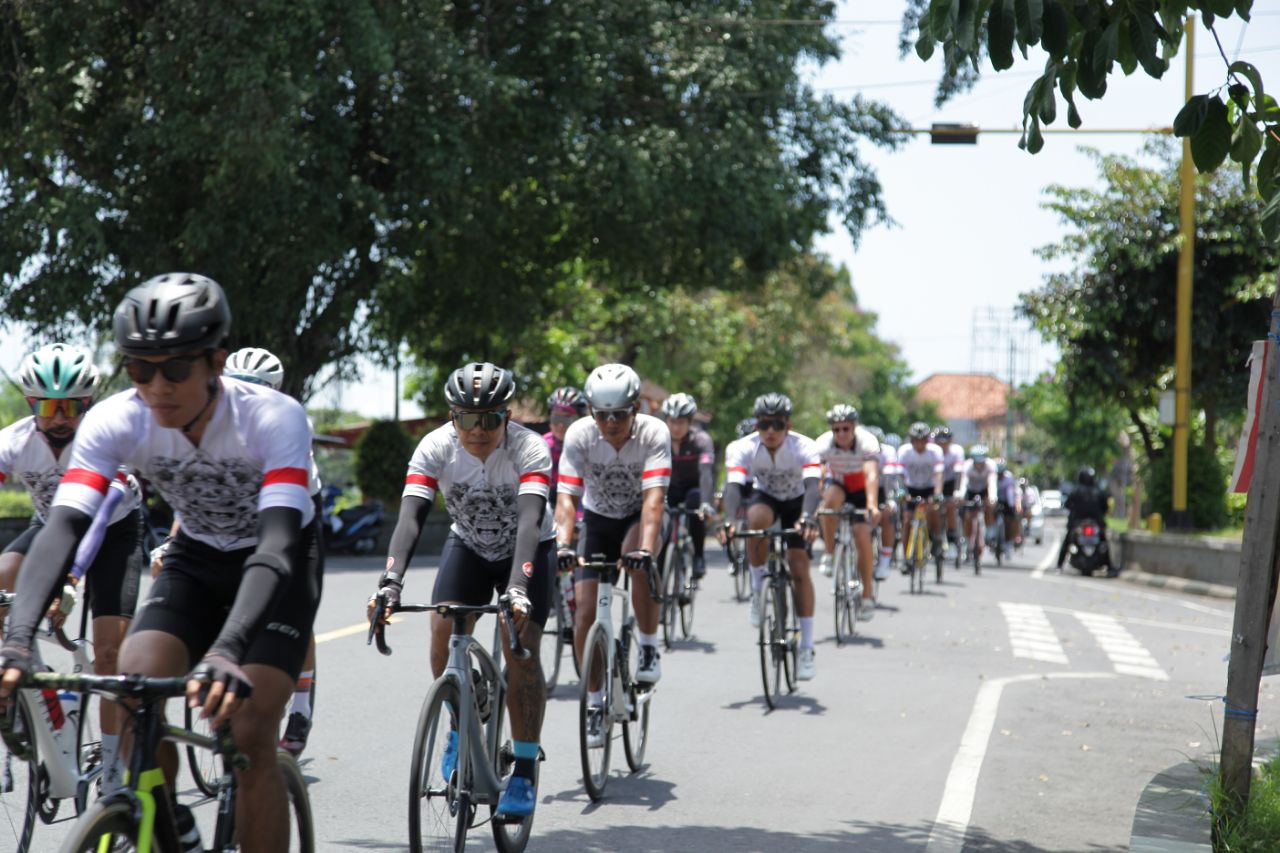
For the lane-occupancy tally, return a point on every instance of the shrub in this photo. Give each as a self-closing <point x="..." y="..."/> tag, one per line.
<point x="15" y="503"/>
<point x="1206" y="486"/>
<point x="382" y="455"/>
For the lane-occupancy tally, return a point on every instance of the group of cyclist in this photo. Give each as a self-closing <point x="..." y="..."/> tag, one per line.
<point x="239" y="580"/>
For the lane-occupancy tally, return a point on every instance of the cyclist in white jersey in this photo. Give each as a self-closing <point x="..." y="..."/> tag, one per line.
<point x="922" y="462"/>
<point x="787" y="470"/>
<point x="889" y="476"/>
<point x="852" y="456"/>
<point x="953" y="467"/>
<point x="240" y="584"/>
<point x="623" y="461"/>
<point x="495" y="476"/>
<point x="978" y="483"/>
<point x="58" y="382"/>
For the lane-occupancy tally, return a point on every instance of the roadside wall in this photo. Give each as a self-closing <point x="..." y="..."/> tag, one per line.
<point x="1214" y="561"/>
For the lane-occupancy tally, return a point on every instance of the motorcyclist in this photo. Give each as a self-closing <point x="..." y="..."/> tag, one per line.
<point x="1087" y="501"/>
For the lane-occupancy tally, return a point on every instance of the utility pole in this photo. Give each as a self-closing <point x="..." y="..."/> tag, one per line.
<point x="1009" y="449"/>
<point x="1180" y="518"/>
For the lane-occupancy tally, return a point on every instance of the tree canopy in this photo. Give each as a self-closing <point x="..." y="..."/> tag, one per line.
<point x="362" y="174"/>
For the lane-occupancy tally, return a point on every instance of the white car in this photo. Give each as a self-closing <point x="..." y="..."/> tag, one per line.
<point x="1051" y="501"/>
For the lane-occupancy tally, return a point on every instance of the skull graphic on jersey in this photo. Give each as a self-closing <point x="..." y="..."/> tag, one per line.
<point x="41" y="485"/>
<point x="615" y="487"/>
<point x="485" y="516"/>
<point x="217" y="499"/>
<point x="781" y="484"/>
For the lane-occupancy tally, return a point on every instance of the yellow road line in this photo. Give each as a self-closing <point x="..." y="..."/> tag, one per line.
<point x="339" y="633"/>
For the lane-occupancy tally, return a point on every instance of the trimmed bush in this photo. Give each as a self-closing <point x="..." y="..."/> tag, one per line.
<point x="1206" y="486"/>
<point x="382" y="456"/>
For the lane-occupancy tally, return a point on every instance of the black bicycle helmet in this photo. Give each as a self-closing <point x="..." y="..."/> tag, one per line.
<point x="1086" y="476"/>
<point x="178" y="312"/>
<point x="942" y="433"/>
<point x="773" y="404"/>
<point x="745" y="427"/>
<point x="919" y="429"/>
<point x="568" y="397"/>
<point x="842" y="413"/>
<point x="479" y="385"/>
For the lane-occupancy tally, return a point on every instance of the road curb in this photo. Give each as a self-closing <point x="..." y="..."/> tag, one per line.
<point x="1213" y="590"/>
<point x="1172" y="815"/>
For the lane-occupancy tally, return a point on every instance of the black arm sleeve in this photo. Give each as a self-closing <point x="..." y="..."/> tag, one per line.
<point x="530" y="510"/>
<point x="811" y="496"/>
<point x="707" y="475"/>
<point x="404" y="539"/>
<point x="44" y="567"/>
<point x="732" y="498"/>
<point x="267" y="574"/>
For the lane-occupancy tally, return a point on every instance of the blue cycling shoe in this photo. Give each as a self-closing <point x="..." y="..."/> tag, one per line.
<point x="518" y="799"/>
<point x="449" y="760"/>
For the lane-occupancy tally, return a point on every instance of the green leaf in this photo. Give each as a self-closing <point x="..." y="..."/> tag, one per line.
<point x="1269" y="111"/>
<point x="1243" y="7"/>
<point x="1000" y="34"/>
<point x="1239" y="94"/>
<point x="1030" y="19"/>
<point x="1056" y="29"/>
<point x="1191" y="117"/>
<point x="1144" y="42"/>
<point x="1250" y="72"/>
<point x="1106" y="50"/>
<point x="942" y="16"/>
<point x="1073" y="115"/>
<point x="966" y="25"/>
<point x="1268" y="179"/>
<point x="1127" y="58"/>
<point x="1212" y="142"/>
<point x="1271" y="217"/>
<point x="1091" y="84"/>
<point x="925" y="45"/>
<point x="1048" y="108"/>
<point x="1246" y="142"/>
<point x="1035" y="140"/>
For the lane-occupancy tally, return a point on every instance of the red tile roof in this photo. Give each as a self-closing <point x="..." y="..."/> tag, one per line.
<point x="967" y="396"/>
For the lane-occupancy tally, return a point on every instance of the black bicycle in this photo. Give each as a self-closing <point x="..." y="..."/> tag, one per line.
<point x="679" y="589"/>
<point x="141" y="816"/>
<point x="779" y="627"/>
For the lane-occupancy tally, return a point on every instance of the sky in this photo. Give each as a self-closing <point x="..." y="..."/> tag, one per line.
<point x="968" y="218"/>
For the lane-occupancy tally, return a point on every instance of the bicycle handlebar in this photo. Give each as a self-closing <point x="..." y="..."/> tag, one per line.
<point x="599" y="564"/>
<point x="764" y="534"/>
<point x="457" y="612"/>
<point x="8" y="598"/>
<point x="845" y="511"/>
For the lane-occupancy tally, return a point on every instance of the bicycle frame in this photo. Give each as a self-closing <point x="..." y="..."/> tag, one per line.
<point x="618" y="708"/>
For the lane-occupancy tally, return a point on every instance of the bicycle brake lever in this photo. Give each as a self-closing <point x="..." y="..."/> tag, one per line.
<point x="513" y="638"/>
<point x="377" y="629"/>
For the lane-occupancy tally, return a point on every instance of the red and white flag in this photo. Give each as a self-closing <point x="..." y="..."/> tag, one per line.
<point x="1247" y="449"/>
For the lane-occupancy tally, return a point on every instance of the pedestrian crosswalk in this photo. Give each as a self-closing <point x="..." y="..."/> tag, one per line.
<point x="1033" y="637"/>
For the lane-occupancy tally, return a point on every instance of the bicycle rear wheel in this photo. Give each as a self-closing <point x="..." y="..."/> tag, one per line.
<point x="670" y="594"/>
<point x="689" y="593"/>
<point x="551" y="646"/>
<point x="508" y="836"/>
<point x="203" y="762"/>
<point x="434" y="798"/>
<point x="595" y="747"/>
<point x="302" y="836"/>
<point x="771" y="639"/>
<point x="108" y="822"/>
<point x="635" y="731"/>
<point x="790" y="635"/>
<point x="741" y="577"/>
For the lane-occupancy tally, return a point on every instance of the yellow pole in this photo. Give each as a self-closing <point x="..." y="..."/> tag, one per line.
<point x="1182" y="349"/>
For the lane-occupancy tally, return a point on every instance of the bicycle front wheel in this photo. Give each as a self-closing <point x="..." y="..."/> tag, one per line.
<point x="670" y="594"/>
<point x="434" y="798"/>
<point x="595" y="719"/>
<point x="635" y="731"/>
<point x="108" y="825"/>
<point x="689" y="592"/>
<point x="741" y="578"/>
<point x="203" y="762"/>
<point x="508" y="836"/>
<point x="551" y="647"/>
<point x="844" y="596"/>
<point x="31" y="804"/>
<point x="771" y="641"/>
<point x="302" y="835"/>
<point x="790" y="634"/>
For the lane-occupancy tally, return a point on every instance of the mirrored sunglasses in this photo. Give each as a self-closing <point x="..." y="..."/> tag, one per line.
<point x="611" y="414"/>
<point x="72" y="407"/>
<point x="764" y="424"/>
<point x="176" y="370"/>
<point x="485" y="420"/>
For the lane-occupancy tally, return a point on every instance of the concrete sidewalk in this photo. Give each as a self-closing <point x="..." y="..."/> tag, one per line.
<point x="1173" y="814"/>
<point x="1213" y="590"/>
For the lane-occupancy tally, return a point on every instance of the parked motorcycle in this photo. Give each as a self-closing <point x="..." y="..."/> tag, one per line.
<point x="1088" y="550"/>
<point x="355" y="529"/>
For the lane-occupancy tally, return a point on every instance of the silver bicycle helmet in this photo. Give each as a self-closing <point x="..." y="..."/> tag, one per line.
<point x="612" y="386"/>
<point x="679" y="406"/>
<point x="842" y="413"/>
<point x="480" y="385"/>
<point x="257" y="365"/>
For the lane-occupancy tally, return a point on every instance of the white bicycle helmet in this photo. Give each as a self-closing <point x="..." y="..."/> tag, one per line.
<point x="612" y="386"/>
<point x="256" y="365"/>
<point x="58" y="371"/>
<point x="679" y="406"/>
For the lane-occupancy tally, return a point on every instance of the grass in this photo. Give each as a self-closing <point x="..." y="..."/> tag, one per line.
<point x="1258" y="829"/>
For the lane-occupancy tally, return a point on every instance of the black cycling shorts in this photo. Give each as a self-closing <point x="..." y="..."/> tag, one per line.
<point x="467" y="578"/>
<point x="949" y="487"/>
<point x="112" y="578"/>
<point x="970" y="497"/>
<point x="924" y="493"/>
<point x="604" y="537"/>
<point x="197" y="585"/>
<point x="787" y="513"/>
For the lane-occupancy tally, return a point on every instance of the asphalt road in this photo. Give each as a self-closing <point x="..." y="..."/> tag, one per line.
<point x="1018" y="710"/>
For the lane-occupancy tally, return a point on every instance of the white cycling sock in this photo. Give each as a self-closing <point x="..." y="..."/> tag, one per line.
<point x="648" y="639"/>
<point x="757" y="578"/>
<point x="302" y="694"/>
<point x="595" y="697"/>
<point x="806" y="632"/>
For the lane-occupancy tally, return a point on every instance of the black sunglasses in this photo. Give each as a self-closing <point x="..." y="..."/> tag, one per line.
<point x="485" y="420"/>
<point x="611" y="414"/>
<point x="768" y="423"/>
<point x="176" y="370"/>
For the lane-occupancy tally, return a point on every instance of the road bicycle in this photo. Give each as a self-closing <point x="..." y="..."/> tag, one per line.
<point x="739" y="571"/>
<point x="998" y="539"/>
<point x="920" y="547"/>
<point x="557" y="637"/>
<point x="846" y="586"/>
<point x="610" y="661"/>
<point x="141" y="817"/>
<point x="976" y="507"/>
<point x="63" y="747"/>
<point x="779" y="630"/>
<point x="679" y="589"/>
<point x="465" y="705"/>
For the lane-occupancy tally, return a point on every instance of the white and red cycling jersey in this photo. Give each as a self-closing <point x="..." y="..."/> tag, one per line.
<point x="255" y="454"/>
<point x="919" y="468"/>
<point x="615" y="480"/>
<point x="845" y="466"/>
<point x="481" y="496"/>
<point x="780" y="474"/>
<point x="25" y="455"/>
<point x="977" y="479"/>
<point x="953" y="463"/>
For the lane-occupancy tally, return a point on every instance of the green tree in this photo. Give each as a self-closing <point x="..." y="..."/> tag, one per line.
<point x="382" y="454"/>
<point x="1067" y="430"/>
<point x="1112" y="314"/>
<point x="362" y="174"/>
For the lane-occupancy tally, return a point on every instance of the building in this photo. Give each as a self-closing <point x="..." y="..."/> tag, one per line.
<point x="974" y="405"/>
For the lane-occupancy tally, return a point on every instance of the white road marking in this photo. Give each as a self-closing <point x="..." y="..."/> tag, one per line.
<point x="1050" y="558"/>
<point x="1151" y="623"/>
<point x="1128" y="656"/>
<point x="1030" y="634"/>
<point x="952" y="821"/>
